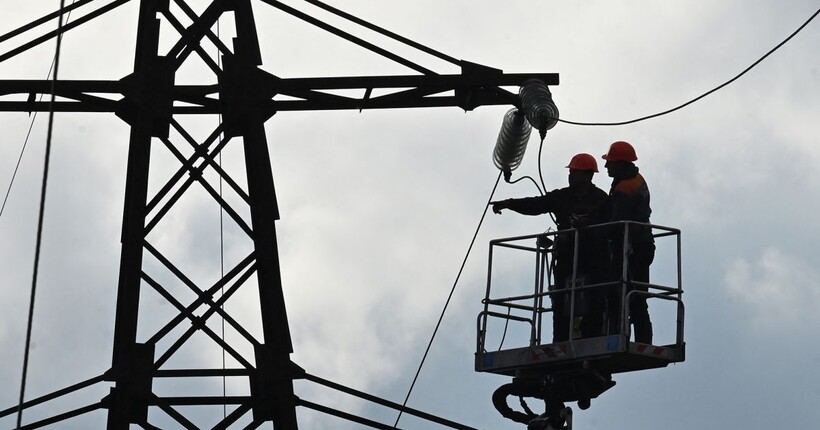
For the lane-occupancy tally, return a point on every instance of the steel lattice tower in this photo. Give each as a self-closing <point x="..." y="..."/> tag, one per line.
<point x="151" y="102"/>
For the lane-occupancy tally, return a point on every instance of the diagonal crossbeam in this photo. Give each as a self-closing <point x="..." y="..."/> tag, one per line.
<point x="223" y="175"/>
<point x="233" y="416"/>
<point x="187" y="164"/>
<point x="186" y="9"/>
<point x="241" y="272"/>
<point x="173" y="413"/>
<point x="197" y="324"/>
<point x="191" y="37"/>
<point x="180" y="28"/>
<point x="195" y="174"/>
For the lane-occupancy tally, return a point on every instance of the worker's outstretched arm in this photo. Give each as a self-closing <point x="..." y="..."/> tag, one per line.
<point x="526" y="206"/>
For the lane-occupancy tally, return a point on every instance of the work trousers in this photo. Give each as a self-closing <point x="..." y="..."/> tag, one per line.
<point x="638" y="261"/>
<point x="589" y="306"/>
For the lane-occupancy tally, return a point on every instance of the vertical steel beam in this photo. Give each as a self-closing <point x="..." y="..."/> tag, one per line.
<point x="272" y="383"/>
<point x="129" y="359"/>
<point x="274" y="387"/>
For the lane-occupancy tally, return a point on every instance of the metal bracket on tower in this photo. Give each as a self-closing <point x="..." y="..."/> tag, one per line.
<point x="467" y="97"/>
<point x="272" y="388"/>
<point x="148" y="93"/>
<point x="129" y="400"/>
<point x="245" y="94"/>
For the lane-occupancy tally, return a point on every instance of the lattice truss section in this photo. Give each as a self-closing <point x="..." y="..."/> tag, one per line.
<point x="169" y="310"/>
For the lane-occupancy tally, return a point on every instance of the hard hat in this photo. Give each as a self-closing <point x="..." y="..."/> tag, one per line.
<point x="620" y="151"/>
<point x="583" y="162"/>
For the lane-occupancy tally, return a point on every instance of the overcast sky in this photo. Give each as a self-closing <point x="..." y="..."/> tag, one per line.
<point x="378" y="208"/>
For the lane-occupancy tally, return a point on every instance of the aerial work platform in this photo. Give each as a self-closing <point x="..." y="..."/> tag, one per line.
<point x="516" y="336"/>
<point x="611" y="354"/>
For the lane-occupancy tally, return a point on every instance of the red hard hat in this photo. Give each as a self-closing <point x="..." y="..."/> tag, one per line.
<point x="583" y="162"/>
<point x="620" y="151"/>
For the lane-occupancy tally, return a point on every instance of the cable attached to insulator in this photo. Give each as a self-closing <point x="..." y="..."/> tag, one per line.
<point x="449" y="298"/>
<point x="537" y="104"/>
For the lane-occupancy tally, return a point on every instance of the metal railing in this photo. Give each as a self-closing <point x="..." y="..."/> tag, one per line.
<point x="529" y="306"/>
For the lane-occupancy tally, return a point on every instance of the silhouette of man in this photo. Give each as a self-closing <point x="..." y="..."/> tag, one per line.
<point x="569" y="204"/>
<point x="629" y="201"/>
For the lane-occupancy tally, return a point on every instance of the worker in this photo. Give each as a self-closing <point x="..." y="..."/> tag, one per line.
<point x="569" y="204"/>
<point x="629" y="201"/>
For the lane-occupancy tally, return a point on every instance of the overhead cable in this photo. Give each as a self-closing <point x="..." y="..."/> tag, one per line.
<point x="349" y="37"/>
<point x="384" y="32"/>
<point x="19" y="160"/>
<point x="41" y="216"/>
<point x="63" y="28"/>
<point x="49" y="17"/>
<point x="449" y="297"/>
<point x="702" y="95"/>
<point x="33" y="116"/>
<point x="378" y="400"/>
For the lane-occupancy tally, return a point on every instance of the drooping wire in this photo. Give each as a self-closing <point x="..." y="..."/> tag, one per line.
<point x="506" y="326"/>
<point x="779" y="45"/>
<point x="531" y="179"/>
<point x="30" y="128"/>
<point x="541" y="176"/>
<point x="20" y="158"/>
<point x="38" y="244"/>
<point x="552" y="216"/>
<point x="449" y="297"/>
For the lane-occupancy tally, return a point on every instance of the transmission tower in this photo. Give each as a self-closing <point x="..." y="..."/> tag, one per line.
<point x="153" y="104"/>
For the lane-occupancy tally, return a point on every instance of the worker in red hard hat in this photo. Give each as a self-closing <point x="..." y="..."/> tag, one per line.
<point x="568" y="205"/>
<point x="629" y="201"/>
<point x="583" y="162"/>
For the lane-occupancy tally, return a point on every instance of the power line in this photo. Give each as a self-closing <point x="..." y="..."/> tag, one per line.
<point x="449" y="297"/>
<point x="438" y="324"/>
<point x="779" y="45"/>
<point x="30" y="128"/>
<point x="41" y="215"/>
<point x="384" y="32"/>
<point x="20" y="159"/>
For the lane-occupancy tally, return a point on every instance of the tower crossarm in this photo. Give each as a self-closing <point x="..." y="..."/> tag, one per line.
<point x="466" y="90"/>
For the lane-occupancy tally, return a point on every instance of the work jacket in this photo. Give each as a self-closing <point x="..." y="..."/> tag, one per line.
<point x="567" y="204"/>
<point x="629" y="201"/>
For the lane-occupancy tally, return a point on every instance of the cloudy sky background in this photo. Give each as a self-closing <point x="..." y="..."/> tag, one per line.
<point x="378" y="207"/>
